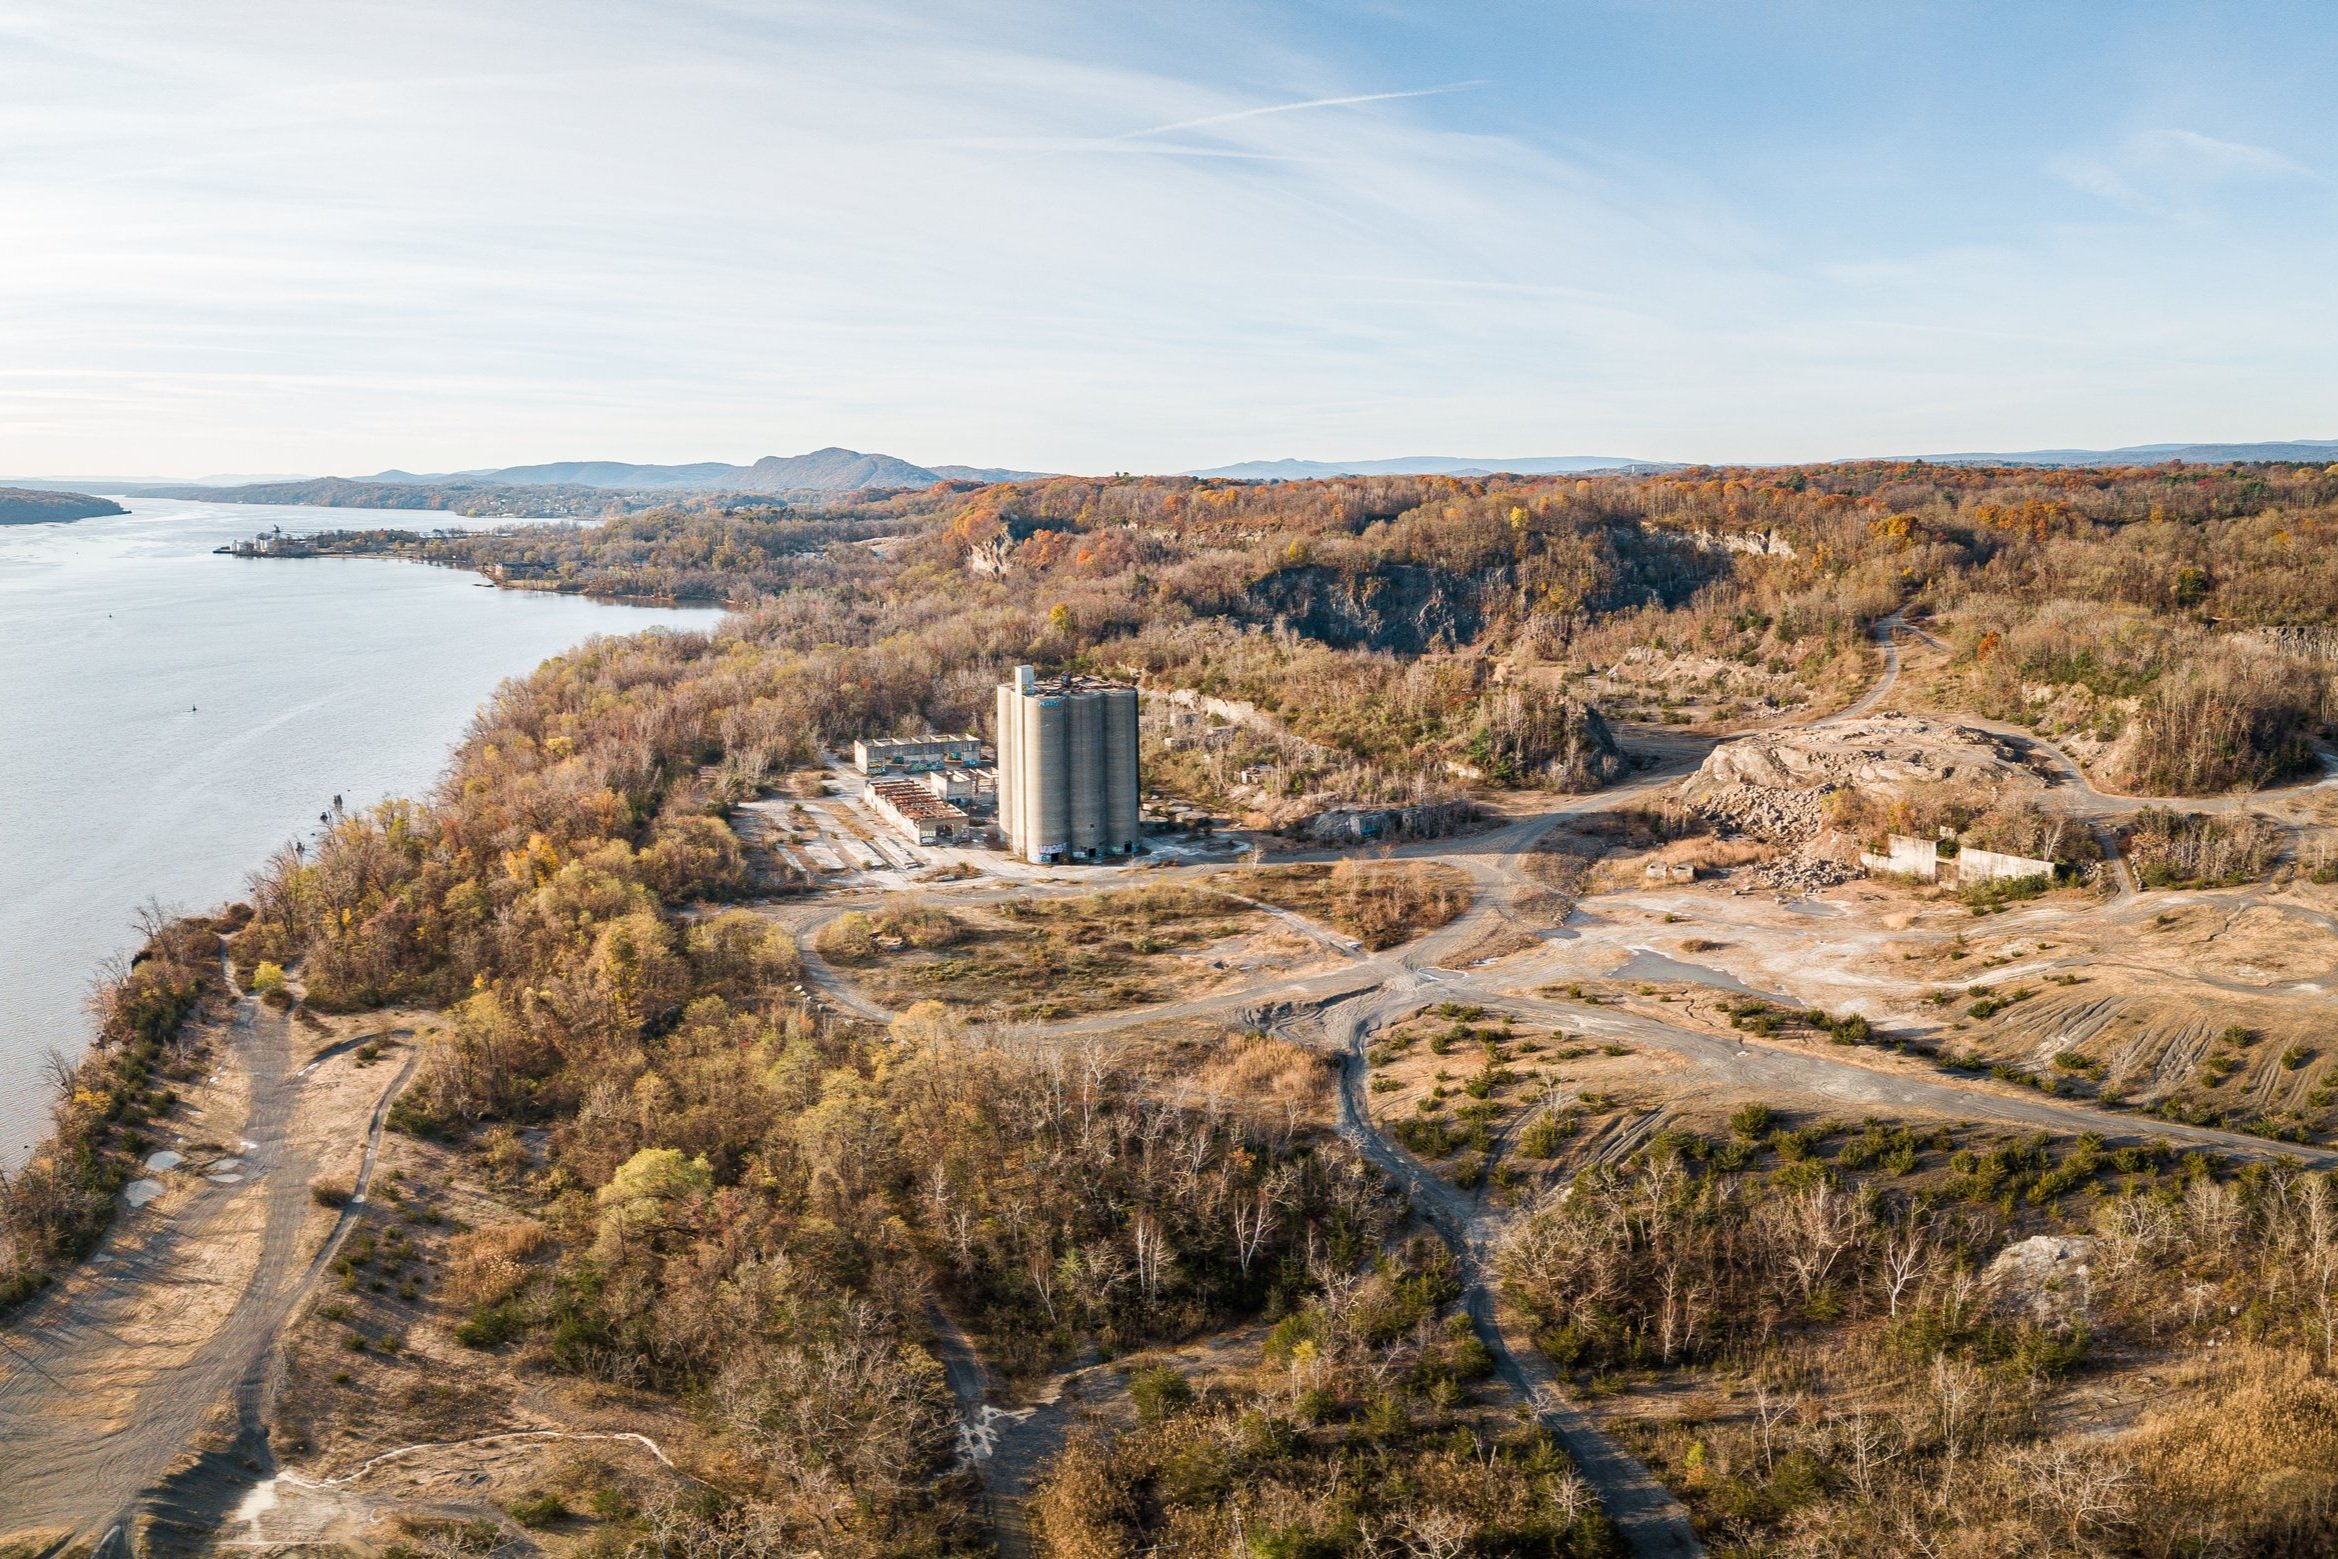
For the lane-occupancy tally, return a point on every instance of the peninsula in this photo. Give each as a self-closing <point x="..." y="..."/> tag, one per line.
<point x="36" y="506"/>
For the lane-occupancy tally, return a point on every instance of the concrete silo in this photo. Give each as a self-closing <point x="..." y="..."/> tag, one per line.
<point x="1068" y="780"/>
<point x="1122" y="826"/>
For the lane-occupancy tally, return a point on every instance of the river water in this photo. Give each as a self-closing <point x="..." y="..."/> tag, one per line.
<point x="168" y="718"/>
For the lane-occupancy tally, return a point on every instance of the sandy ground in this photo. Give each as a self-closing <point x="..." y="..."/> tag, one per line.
<point x="112" y="1376"/>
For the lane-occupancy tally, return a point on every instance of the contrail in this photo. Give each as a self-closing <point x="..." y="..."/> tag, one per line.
<point x="1292" y="108"/>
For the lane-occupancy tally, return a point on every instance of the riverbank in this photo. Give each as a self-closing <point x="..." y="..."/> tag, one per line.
<point x="55" y="1209"/>
<point x="186" y="714"/>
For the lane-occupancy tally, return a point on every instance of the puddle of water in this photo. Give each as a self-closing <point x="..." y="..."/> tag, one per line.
<point x="1657" y="969"/>
<point x="139" y="1192"/>
<point x="166" y="1159"/>
<point x="1814" y="907"/>
<point x="225" y="1165"/>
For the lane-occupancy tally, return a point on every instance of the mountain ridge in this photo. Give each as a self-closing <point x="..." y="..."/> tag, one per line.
<point x="831" y="469"/>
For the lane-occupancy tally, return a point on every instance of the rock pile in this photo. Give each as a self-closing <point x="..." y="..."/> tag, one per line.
<point x="1880" y="752"/>
<point x="1773" y="785"/>
<point x="1781" y="817"/>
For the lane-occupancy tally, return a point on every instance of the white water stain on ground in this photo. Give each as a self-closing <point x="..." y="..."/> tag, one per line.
<point x="291" y="1509"/>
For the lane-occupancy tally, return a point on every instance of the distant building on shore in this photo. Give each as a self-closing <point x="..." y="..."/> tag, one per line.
<point x="1067" y="750"/>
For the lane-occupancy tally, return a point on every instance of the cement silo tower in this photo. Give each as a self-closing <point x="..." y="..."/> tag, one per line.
<point x="1067" y="767"/>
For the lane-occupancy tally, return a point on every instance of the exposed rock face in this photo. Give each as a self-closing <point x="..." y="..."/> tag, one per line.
<point x="1398" y="607"/>
<point x="1355" y="825"/>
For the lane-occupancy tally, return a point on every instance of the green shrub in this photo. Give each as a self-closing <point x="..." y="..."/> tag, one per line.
<point x="1159" y="1391"/>
<point x="538" y="1508"/>
<point x="490" y="1326"/>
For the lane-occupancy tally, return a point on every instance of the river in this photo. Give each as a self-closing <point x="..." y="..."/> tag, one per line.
<point x="169" y="717"/>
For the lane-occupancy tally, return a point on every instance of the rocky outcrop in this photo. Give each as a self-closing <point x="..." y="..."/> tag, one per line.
<point x="1398" y="607"/>
<point x="1356" y="825"/>
<point x="2046" y="1279"/>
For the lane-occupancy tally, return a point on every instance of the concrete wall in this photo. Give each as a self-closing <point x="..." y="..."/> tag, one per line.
<point x="1989" y="866"/>
<point x="1921" y="858"/>
<point x="1905" y="857"/>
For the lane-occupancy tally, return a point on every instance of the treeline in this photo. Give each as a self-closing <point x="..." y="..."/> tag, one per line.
<point x="703" y="553"/>
<point x="56" y="1208"/>
<point x="2126" y="610"/>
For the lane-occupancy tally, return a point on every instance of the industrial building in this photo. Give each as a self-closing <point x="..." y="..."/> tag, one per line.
<point x="920" y="815"/>
<point x="1067" y="751"/>
<point x="959" y="787"/>
<point x="916" y="754"/>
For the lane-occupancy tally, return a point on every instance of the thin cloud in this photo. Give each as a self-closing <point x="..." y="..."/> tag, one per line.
<point x="2188" y="152"/>
<point x="2167" y="171"/>
<point x="1234" y="115"/>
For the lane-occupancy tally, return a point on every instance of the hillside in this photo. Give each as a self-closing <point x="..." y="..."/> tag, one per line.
<point x="1289" y="470"/>
<point x="588" y="489"/>
<point x="831" y="469"/>
<point x="32" y="506"/>
<point x="451" y="496"/>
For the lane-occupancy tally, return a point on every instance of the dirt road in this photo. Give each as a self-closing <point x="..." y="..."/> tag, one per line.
<point x="111" y="1377"/>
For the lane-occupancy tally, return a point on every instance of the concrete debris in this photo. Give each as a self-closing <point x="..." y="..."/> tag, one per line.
<point x="1785" y="818"/>
<point x="1802" y="873"/>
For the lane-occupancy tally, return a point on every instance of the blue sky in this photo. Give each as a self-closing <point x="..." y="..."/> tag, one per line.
<point x="335" y="237"/>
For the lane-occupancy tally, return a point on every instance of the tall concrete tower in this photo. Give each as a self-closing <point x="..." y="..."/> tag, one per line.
<point x="1068" y="781"/>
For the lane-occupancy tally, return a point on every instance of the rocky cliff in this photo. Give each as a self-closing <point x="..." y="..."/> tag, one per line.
<point x="1402" y="608"/>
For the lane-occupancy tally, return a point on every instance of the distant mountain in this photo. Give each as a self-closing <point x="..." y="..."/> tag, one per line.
<point x="830" y="470"/>
<point x="1422" y="465"/>
<point x="987" y="474"/>
<point x="575" y="473"/>
<point x="41" y="505"/>
<point x="2307" y="449"/>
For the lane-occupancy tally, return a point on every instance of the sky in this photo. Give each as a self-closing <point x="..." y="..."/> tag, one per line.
<point x="333" y="237"/>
